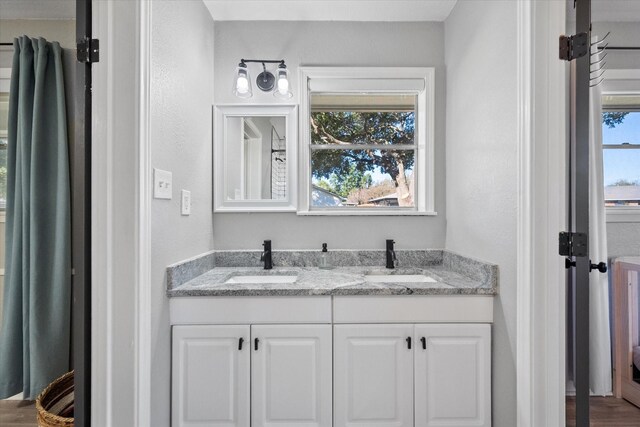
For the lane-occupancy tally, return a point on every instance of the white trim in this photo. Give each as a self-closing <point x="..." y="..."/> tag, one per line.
<point x="101" y="222"/>
<point x="425" y="130"/>
<point x="142" y="393"/>
<point x="524" y="222"/>
<point x="120" y="244"/>
<point x="623" y="214"/>
<point x="221" y="112"/>
<point x="368" y="212"/>
<point x="542" y="140"/>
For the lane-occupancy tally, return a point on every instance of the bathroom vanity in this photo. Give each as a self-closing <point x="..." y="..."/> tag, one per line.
<point x="355" y="345"/>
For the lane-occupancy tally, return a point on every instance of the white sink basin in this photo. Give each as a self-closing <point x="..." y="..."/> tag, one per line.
<point x="398" y="278"/>
<point x="266" y="279"/>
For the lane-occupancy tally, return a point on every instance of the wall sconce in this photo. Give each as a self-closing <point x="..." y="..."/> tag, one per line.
<point x="265" y="81"/>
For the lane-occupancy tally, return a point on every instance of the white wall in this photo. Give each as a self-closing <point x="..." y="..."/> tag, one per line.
<point x="480" y="39"/>
<point x="331" y="44"/>
<point x="181" y="99"/>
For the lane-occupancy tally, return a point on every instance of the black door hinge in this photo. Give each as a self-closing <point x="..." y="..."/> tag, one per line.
<point x="88" y="50"/>
<point x="572" y="47"/>
<point x="573" y="244"/>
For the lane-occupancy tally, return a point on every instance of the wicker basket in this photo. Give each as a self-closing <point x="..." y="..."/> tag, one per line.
<point x="55" y="403"/>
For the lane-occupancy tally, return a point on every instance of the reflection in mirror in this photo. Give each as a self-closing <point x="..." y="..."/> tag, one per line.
<point x="256" y="158"/>
<point x="363" y="150"/>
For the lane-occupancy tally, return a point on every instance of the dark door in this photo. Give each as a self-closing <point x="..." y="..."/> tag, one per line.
<point x="81" y="220"/>
<point x="578" y="262"/>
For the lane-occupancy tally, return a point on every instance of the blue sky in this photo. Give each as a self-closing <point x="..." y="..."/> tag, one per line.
<point x="622" y="164"/>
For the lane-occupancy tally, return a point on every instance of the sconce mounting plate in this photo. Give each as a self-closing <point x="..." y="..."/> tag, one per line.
<point x="265" y="81"/>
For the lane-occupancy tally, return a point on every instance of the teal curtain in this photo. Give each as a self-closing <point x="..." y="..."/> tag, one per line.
<point x="35" y="335"/>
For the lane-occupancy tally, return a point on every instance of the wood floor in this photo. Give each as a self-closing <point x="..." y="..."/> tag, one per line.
<point x="17" y="413"/>
<point x="607" y="412"/>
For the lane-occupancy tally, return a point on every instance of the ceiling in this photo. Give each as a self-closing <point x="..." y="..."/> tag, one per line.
<point x="37" y="9"/>
<point x="317" y="10"/>
<point x="330" y="10"/>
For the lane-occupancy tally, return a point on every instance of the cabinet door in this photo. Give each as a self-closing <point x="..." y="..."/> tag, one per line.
<point x="291" y="376"/>
<point x="373" y="376"/>
<point x="453" y="375"/>
<point x="210" y="376"/>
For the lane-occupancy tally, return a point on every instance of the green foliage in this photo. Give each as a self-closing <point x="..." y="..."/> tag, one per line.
<point x="624" y="182"/>
<point x="324" y="184"/>
<point x="613" y="118"/>
<point x="343" y="185"/>
<point x="353" y="180"/>
<point x="346" y="127"/>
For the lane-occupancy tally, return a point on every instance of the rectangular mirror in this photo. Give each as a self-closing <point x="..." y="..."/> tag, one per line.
<point x="254" y="149"/>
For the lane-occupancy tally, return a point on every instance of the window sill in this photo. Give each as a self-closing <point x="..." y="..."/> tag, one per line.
<point x="365" y="213"/>
<point x="623" y="214"/>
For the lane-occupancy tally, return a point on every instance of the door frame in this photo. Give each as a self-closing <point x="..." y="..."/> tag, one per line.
<point x="121" y="237"/>
<point x="125" y="263"/>
<point x="542" y="210"/>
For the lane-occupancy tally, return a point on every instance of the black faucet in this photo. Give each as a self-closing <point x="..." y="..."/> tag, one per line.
<point x="266" y="255"/>
<point x="391" y="254"/>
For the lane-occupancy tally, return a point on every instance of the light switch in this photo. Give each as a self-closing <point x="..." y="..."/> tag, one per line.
<point x="186" y="202"/>
<point x="162" y="188"/>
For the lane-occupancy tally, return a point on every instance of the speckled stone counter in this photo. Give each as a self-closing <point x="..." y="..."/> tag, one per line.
<point x="451" y="274"/>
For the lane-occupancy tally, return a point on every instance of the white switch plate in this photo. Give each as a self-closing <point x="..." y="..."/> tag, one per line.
<point x="162" y="188"/>
<point x="185" y="202"/>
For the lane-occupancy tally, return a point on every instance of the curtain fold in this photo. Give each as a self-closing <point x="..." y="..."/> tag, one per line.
<point x="600" y="380"/>
<point x="35" y="334"/>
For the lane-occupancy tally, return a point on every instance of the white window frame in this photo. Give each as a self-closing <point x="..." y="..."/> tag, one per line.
<point x="622" y="82"/>
<point x="425" y="132"/>
<point x="221" y="204"/>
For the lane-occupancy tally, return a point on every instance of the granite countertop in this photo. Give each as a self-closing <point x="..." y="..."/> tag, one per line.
<point x="451" y="274"/>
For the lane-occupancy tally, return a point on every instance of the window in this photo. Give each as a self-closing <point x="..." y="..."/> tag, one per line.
<point x="4" y="120"/>
<point x="367" y="137"/>
<point x="621" y="156"/>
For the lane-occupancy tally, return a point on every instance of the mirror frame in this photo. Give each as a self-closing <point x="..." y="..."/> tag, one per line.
<point x="221" y="113"/>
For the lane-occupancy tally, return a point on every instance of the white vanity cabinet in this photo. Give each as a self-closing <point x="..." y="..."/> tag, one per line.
<point x="403" y="375"/>
<point x="259" y="376"/>
<point x="373" y="376"/>
<point x="291" y="376"/>
<point x="341" y="361"/>
<point x="452" y="375"/>
<point x="210" y="376"/>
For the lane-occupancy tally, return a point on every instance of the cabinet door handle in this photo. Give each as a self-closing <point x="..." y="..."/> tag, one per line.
<point x="409" y="343"/>
<point x="240" y="341"/>
<point x="256" y="341"/>
<point x="423" y="340"/>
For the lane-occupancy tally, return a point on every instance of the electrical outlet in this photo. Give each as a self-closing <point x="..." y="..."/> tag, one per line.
<point x="186" y="202"/>
<point x="162" y="188"/>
